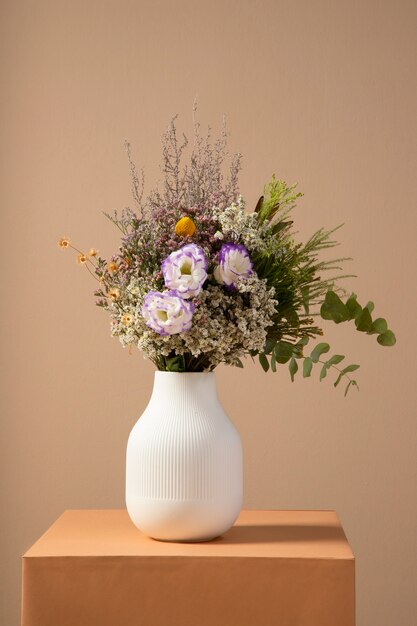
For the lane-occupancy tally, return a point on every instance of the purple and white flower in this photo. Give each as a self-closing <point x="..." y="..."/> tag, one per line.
<point x="166" y="313"/>
<point x="185" y="270"/>
<point x="234" y="264"/>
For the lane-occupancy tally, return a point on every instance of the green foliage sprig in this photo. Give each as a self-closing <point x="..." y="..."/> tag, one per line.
<point x="296" y="275"/>
<point x="286" y="352"/>
<point x="334" y="309"/>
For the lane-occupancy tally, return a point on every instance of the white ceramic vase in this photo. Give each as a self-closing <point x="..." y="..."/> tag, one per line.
<point x="184" y="474"/>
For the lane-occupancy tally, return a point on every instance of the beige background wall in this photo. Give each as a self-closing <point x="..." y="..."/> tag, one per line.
<point x="323" y="92"/>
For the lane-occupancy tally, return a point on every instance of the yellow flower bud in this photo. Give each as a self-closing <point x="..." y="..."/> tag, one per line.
<point x="127" y="319"/>
<point x="64" y="242"/>
<point x="112" y="267"/>
<point x="113" y="293"/>
<point x="185" y="227"/>
<point x="81" y="259"/>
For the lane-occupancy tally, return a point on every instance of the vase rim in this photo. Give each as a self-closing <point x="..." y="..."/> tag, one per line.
<point x="161" y="373"/>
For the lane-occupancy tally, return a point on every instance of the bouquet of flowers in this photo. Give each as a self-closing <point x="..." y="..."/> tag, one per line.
<point x="199" y="280"/>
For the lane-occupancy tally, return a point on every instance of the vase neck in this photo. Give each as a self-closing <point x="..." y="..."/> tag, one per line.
<point x="173" y="385"/>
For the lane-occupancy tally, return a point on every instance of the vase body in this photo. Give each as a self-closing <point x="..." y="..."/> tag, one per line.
<point x="184" y="473"/>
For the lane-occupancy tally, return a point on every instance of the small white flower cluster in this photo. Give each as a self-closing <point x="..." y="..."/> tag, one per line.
<point x="239" y="226"/>
<point x="126" y="321"/>
<point x="235" y="323"/>
<point x="226" y="326"/>
<point x="126" y="332"/>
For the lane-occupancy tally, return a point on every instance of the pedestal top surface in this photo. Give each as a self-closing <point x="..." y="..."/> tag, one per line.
<point x="256" y="533"/>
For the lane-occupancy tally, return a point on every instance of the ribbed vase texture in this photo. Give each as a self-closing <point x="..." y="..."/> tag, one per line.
<point x="184" y="474"/>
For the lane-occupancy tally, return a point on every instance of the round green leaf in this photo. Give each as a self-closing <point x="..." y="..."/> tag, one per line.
<point x="380" y="325"/>
<point x="283" y="351"/>
<point x="325" y="311"/>
<point x="334" y="307"/>
<point x="387" y="338"/>
<point x="364" y="321"/>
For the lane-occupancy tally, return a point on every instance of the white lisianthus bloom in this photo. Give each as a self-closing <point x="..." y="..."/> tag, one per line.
<point x="185" y="270"/>
<point x="234" y="264"/>
<point x="166" y="313"/>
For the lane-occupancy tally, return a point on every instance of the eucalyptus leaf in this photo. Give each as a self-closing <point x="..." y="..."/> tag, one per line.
<point x="325" y="311"/>
<point x="364" y="321"/>
<point x="353" y="307"/>
<point x="321" y="348"/>
<point x="351" y="383"/>
<point x="264" y="362"/>
<point x="297" y="351"/>
<point x="293" y="367"/>
<point x="350" y="368"/>
<point x="269" y="345"/>
<point x="334" y="307"/>
<point x="347" y="387"/>
<point x="338" y="379"/>
<point x="323" y="372"/>
<point x="283" y="351"/>
<point x="346" y="370"/>
<point x="380" y="325"/>
<point x="335" y="359"/>
<point x="387" y="338"/>
<point x="273" y="363"/>
<point x="307" y="367"/>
